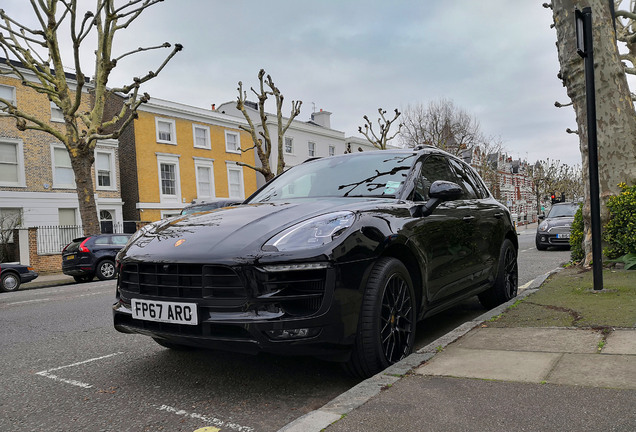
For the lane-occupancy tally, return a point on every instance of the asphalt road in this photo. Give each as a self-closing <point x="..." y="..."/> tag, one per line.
<point x="64" y="368"/>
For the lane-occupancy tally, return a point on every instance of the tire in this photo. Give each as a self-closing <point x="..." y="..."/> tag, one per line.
<point x="386" y="329"/>
<point x="171" y="345"/>
<point x="82" y="279"/>
<point x="506" y="282"/>
<point x="106" y="270"/>
<point x="10" y="282"/>
<point x="540" y="246"/>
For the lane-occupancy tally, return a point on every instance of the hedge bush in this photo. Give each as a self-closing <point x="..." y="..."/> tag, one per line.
<point x="577" y="233"/>
<point x="620" y="231"/>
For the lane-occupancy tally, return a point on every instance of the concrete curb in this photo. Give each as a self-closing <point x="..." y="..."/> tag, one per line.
<point x="358" y="395"/>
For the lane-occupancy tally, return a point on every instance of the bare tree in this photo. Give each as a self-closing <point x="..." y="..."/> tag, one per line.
<point x="441" y="124"/>
<point x="551" y="176"/>
<point x="40" y="49"/>
<point x="381" y="139"/>
<point x="261" y="138"/>
<point x="616" y="118"/>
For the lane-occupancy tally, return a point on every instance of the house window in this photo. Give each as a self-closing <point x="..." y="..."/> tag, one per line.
<point x="11" y="163"/>
<point x="7" y="93"/>
<point x="169" y="181"/>
<point x="289" y="145"/>
<point x="205" y="178"/>
<point x="311" y="147"/>
<point x="235" y="181"/>
<point x="10" y="218"/>
<point x="63" y="176"/>
<point x="232" y="142"/>
<point x="104" y="170"/>
<point x="332" y="150"/>
<point x="56" y="113"/>
<point x="166" y="131"/>
<point x="201" y="136"/>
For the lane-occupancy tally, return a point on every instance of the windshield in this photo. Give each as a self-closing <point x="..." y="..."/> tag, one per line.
<point x="373" y="174"/>
<point x="563" y="211"/>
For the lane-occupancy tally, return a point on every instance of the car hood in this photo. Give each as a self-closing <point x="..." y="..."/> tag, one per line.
<point x="559" y="221"/>
<point x="234" y="234"/>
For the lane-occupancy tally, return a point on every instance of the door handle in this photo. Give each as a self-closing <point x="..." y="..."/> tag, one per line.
<point x="499" y="215"/>
<point x="468" y="218"/>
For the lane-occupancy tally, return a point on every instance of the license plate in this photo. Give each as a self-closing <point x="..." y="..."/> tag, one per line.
<point x="563" y="236"/>
<point x="69" y="257"/>
<point x="167" y="312"/>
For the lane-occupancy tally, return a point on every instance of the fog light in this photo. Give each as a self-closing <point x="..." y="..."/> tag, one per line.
<point x="292" y="333"/>
<point x="542" y="238"/>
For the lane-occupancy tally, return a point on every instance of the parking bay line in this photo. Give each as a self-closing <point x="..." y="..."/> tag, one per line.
<point x="212" y="420"/>
<point x="47" y="373"/>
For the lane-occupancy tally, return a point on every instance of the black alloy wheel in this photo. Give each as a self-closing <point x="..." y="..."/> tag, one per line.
<point x="506" y="283"/>
<point x="386" y="331"/>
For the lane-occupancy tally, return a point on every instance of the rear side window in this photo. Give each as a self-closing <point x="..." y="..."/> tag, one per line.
<point x="102" y="241"/>
<point x="120" y="240"/>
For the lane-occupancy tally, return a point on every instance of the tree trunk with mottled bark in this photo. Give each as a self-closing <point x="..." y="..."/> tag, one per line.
<point x="616" y="119"/>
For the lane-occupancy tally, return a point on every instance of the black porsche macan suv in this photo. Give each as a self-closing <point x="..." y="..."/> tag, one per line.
<point x="338" y="258"/>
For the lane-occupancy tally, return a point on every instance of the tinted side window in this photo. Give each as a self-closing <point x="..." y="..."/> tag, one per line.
<point x="433" y="168"/>
<point x="102" y="241"/>
<point x="464" y="180"/>
<point x="120" y="240"/>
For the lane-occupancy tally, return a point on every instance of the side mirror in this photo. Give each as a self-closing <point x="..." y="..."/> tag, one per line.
<point x="542" y="216"/>
<point x="439" y="192"/>
<point x="445" y="190"/>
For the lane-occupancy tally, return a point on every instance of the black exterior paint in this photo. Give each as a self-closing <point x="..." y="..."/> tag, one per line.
<point x="451" y="254"/>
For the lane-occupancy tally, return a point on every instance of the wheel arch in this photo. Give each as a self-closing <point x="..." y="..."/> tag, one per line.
<point x="402" y="253"/>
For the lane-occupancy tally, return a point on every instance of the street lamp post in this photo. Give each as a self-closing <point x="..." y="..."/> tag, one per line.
<point x="585" y="48"/>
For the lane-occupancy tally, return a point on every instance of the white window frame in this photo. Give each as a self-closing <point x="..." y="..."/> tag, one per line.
<point x="13" y="99"/>
<point x="232" y="166"/>
<point x="56" y="182"/>
<point x="332" y="150"/>
<point x="207" y="145"/>
<point x="19" y="148"/>
<point x="204" y="163"/>
<point x="173" y="130"/>
<point x="113" y="177"/>
<point x="291" y="145"/>
<point x="237" y="150"/>
<point x="57" y="115"/>
<point x="163" y="158"/>
<point x="165" y="214"/>
<point x="311" y="149"/>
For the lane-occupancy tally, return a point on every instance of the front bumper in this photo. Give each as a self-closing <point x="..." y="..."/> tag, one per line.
<point x="247" y="309"/>
<point x="554" y="237"/>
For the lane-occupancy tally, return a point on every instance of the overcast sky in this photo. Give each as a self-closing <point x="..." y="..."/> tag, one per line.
<point x="496" y="59"/>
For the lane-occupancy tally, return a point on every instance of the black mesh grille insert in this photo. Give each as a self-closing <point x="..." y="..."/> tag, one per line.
<point x="220" y="284"/>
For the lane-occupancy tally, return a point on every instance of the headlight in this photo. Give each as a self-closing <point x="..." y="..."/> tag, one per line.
<point x="312" y="233"/>
<point x="543" y="226"/>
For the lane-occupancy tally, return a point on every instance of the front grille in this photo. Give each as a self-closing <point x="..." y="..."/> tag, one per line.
<point x="217" y="288"/>
<point x="220" y="284"/>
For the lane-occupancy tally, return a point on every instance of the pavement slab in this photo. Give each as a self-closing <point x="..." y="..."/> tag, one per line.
<point x="596" y="370"/>
<point x="491" y="364"/>
<point x="561" y="340"/>
<point x="622" y="341"/>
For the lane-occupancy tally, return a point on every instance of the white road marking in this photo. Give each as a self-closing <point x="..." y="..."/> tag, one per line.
<point x="27" y="301"/>
<point x="212" y="420"/>
<point x="526" y="285"/>
<point x="57" y="298"/>
<point x="48" y="374"/>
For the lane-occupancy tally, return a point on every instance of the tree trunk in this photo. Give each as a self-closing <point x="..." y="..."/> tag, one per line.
<point x="616" y="119"/>
<point x="85" y="193"/>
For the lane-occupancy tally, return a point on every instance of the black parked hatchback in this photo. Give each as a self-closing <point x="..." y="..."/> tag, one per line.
<point x="87" y="257"/>
<point x="336" y="258"/>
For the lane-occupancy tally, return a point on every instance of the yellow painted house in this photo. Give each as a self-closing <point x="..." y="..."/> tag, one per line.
<point x="175" y="154"/>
